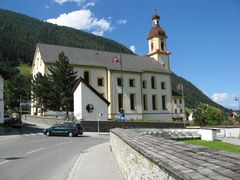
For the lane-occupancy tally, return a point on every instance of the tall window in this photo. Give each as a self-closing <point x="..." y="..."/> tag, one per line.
<point x="154" y="102"/>
<point x="152" y="46"/>
<point x="145" y="106"/>
<point x="153" y="82"/>
<point x="100" y="82"/>
<point x="144" y="84"/>
<point x="181" y="110"/>
<point x="164" y="105"/>
<point x="86" y="76"/>
<point x="131" y="83"/>
<point x="119" y="81"/>
<point x="162" y="46"/>
<point x="180" y="101"/>
<point x="175" y="110"/>
<point x="120" y="102"/>
<point x="175" y="101"/>
<point x="132" y="102"/>
<point x="163" y="85"/>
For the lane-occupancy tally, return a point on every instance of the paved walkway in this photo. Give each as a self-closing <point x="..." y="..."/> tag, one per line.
<point x="235" y="141"/>
<point x="97" y="163"/>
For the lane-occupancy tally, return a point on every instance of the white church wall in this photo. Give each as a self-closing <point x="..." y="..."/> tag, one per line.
<point x="127" y="90"/>
<point x="77" y="103"/>
<point x="1" y="99"/>
<point x="100" y="107"/>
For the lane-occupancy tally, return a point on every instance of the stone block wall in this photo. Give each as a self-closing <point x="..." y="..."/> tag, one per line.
<point x="142" y="156"/>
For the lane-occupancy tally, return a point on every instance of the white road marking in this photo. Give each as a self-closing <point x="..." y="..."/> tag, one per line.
<point x="35" y="150"/>
<point x="74" y="168"/>
<point x="4" y="162"/>
<point x="63" y="143"/>
<point x="34" y="134"/>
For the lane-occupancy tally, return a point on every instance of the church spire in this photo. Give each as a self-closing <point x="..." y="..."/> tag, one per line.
<point x="157" y="42"/>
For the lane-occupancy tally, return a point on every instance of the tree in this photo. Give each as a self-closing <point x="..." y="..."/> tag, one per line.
<point x="209" y="115"/>
<point x="42" y="91"/>
<point x="53" y="92"/>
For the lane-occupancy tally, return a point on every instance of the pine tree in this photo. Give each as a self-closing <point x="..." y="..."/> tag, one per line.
<point x="63" y="78"/>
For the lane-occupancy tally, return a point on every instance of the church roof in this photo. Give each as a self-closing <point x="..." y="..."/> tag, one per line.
<point x="156" y="31"/>
<point x="81" y="80"/>
<point x="89" y="57"/>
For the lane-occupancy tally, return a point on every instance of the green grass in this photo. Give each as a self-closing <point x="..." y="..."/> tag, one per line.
<point x="24" y="69"/>
<point x="216" y="145"/>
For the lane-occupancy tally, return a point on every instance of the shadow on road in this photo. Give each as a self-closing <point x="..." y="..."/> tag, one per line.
<point x="25" y="129"/>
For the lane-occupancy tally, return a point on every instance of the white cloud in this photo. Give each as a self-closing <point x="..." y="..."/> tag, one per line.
<point x="122" y="21"/>
<point x="226" y="100"/>
<point x="83" y="19"/>
<point x="64" y="1"/>
<point x="88" y="5"/>
<point x="47" y="6"/>
<point x="133" y="49"/>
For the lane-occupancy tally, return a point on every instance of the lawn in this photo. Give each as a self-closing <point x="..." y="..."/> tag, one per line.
<point x="216" y="145"/>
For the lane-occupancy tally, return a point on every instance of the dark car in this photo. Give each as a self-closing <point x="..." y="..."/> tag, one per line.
<point x="78" y="125"/>
<point x="7" y="120"/>
<point x="16" y="121"/>
<point x="67" y="128"/>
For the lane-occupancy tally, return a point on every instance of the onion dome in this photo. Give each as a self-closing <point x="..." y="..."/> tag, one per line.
<point x="156" y="31"/>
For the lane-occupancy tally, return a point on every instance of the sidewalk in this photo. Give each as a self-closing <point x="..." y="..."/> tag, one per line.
<point x="97" y="162"/>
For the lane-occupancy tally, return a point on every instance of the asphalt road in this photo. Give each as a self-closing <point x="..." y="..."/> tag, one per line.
<point x="27" y="154"/>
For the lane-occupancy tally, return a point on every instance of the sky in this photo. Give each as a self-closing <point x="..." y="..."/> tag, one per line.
<point x="203" y="35"/>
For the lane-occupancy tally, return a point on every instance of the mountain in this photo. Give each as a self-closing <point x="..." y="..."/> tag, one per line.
<point x="19" y="35"/>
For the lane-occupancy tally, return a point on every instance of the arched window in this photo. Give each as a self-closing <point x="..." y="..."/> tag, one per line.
<point x="162" y="46"/>
<point x="86" y="76"/>
<point x="152" y="46"/>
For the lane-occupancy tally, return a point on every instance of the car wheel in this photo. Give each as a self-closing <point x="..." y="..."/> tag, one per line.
<point x="70" y="134"/>
<point x="48" y="134"/>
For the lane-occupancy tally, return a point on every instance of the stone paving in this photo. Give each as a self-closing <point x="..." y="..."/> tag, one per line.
<point x="235" y="141"/>
<point x="181" y="160"/>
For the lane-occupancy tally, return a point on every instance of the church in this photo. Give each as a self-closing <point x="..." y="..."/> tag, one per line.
<point x="114" y="82"/>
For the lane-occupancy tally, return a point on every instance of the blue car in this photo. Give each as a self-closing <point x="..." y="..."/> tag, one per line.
<point x="66" y="129"/>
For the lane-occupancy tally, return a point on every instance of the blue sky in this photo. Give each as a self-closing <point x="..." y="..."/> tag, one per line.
<point x="203" y="35"/>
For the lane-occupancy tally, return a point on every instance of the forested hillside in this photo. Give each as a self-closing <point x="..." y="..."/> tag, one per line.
<point x="19" y="35"/>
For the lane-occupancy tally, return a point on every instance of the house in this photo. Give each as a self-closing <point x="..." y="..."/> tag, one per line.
<point x="141" y="85"/>
<point x="1" y="99"/>
<point x="178" y="106"/>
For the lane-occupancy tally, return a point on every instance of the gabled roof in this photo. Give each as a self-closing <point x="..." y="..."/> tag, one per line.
<point x="88" y="57"/>
<point x="81" y="80"/>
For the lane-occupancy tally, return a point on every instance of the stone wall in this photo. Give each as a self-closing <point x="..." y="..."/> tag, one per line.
<point x="47" y="120"/>
<point x="142" y="156"/>
<point x="105" y="126"/>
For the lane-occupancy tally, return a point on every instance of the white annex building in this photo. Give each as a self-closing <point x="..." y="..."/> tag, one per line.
<point x="141" y="85"/>
<point x="1" y="99"/>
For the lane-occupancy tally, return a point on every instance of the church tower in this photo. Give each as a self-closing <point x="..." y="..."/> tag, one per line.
<point x="157" y="43"/>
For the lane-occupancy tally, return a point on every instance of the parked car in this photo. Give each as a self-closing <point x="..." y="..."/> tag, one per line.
<point x="7" y="120"/>
<point x="16" y="121"/>
<point x="67" y="128"/>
